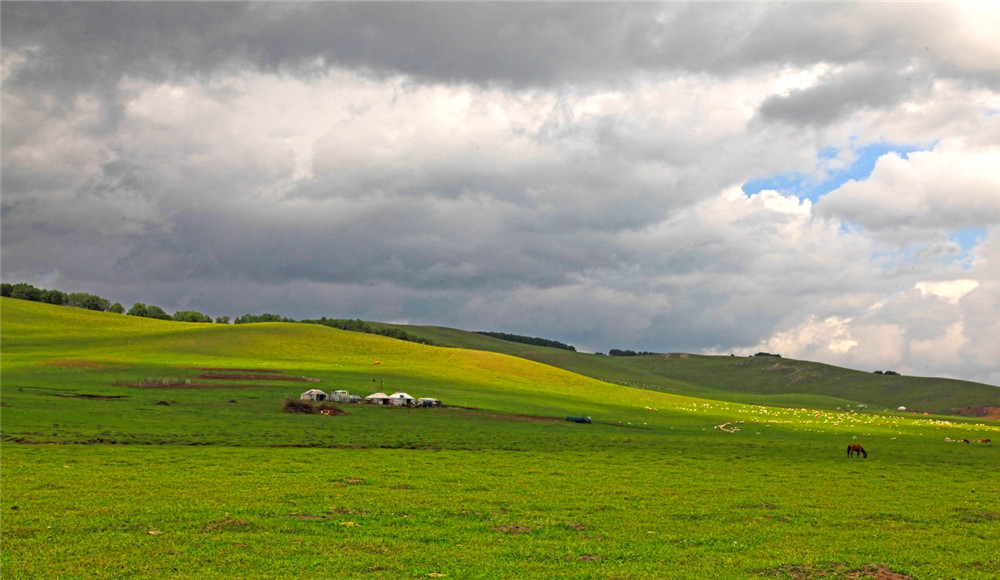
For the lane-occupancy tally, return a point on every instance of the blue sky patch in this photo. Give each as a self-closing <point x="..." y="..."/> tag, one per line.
<point x="968" y="238"/>
<point x="805" y="186"/>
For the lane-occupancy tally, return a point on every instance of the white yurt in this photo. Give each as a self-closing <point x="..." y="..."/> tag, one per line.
<point x="401" y="399"/>
<point x="313" y="395"/>
<point x="377" y="399"/>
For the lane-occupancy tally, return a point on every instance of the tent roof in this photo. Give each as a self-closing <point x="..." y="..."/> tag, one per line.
<point x="312" y="391"/>
<point x="400" y="395"/>
<point x="377" y="396"/>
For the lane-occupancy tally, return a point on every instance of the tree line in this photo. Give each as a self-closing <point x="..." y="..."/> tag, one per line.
<point x="25" y="291"/>
<point x="620" y="352"/>
<point x="358" y="325"/>
<point x="528" y="340"/>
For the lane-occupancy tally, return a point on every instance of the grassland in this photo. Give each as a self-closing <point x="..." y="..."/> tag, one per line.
<point x="193" y="477"/>
<point x="757" y="380"/>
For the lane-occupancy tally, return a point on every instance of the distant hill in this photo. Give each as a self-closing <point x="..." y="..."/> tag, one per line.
<point x="33" y="329"/>
<point x="760" y="379"/>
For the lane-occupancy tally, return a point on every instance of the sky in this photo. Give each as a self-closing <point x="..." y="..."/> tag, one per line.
<point x="815" y="180"/>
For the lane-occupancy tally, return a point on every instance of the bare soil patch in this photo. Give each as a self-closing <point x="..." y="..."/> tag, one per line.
<point x="78" y="363"/>
<point x="210" y="374"/>
<point x="240" y="371"/>
<point x="308" y="516"/>
<point x="90" y="397"/>
<point x="227" y="523"/>
<point x="309" y="408"/>
<point x="837" y="570"/>
<point x="254" y="377"/>
<point x="189" y="386"/>
<point x="512" y="529"/>
<point x="26" y="441"/>
<point x="984" y="412"/>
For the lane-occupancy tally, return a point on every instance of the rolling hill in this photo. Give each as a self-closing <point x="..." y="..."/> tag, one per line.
<point x="755" y="380"/>
<point x="135" y="447"/>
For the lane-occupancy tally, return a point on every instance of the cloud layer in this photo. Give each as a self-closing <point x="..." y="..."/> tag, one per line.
<point x="568" y="171"/>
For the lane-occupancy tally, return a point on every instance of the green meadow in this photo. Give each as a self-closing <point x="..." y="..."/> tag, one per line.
<point x="138" y="448"/>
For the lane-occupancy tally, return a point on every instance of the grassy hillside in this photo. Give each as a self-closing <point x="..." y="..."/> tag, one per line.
<point x="47" y="349"/>
<point x="125" y="453"/>
<point x="760" y="380"/>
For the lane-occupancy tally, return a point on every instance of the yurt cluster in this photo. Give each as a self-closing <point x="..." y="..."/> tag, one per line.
<point x="398" y="399"/>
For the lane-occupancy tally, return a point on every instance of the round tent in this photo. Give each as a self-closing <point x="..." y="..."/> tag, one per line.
<point x="377" y="399"/>
<point x="402" y="399"/>
<point x="313" y="395"/>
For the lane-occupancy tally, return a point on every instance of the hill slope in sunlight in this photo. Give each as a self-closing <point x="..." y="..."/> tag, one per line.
<point x="759" y="380"/>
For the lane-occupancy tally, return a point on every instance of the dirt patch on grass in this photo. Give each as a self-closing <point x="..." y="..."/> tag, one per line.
<point x="89" y="397"/>
<point x="837" y="570"/>
<point x="215" y="376"/>
<point x="78" y="363"/>
<point x="308" y="516"/>
<point x="209" y="374"/>
<point x="227" y="523"/>
<point x="984" y="412"/>
<point x="512" y="529"/>
<point x="308" y="408"/>
<point x="878" y="572"/>
<point x="240" y="371"/>
<point x="971" y="517"/>
<point x="26" y="441"/>
<point x="196" y="386"/>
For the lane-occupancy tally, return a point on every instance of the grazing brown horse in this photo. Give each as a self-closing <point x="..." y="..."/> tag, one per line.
<point x="855" y="448"/>
<point x="985" y="441"/>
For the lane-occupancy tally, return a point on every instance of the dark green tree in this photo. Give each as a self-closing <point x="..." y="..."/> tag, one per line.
<point x="191" y="316"/>
<point x="25" y="292"/>
<point x="266" y="317"/>
<point x="88" y="301"/>
<point x="156" y="312"/>
<point x="138" y="309"/>
<point x="54" y="297"/>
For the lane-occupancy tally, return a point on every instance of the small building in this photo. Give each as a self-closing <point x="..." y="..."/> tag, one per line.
<point x="313" y="395"/>
<point x="428" y="402"/>
<point x="377" y="399"/>
<point x="401" y="399"/>
<point x="340" y="396"/>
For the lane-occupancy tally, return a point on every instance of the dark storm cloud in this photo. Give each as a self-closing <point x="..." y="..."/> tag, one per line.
<point x="411" y="243"/>
<point x="569" y="170"/>
<point x="89" y="46"/>
<point x="840" y="95"/>
<point x="82" y="45"/>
